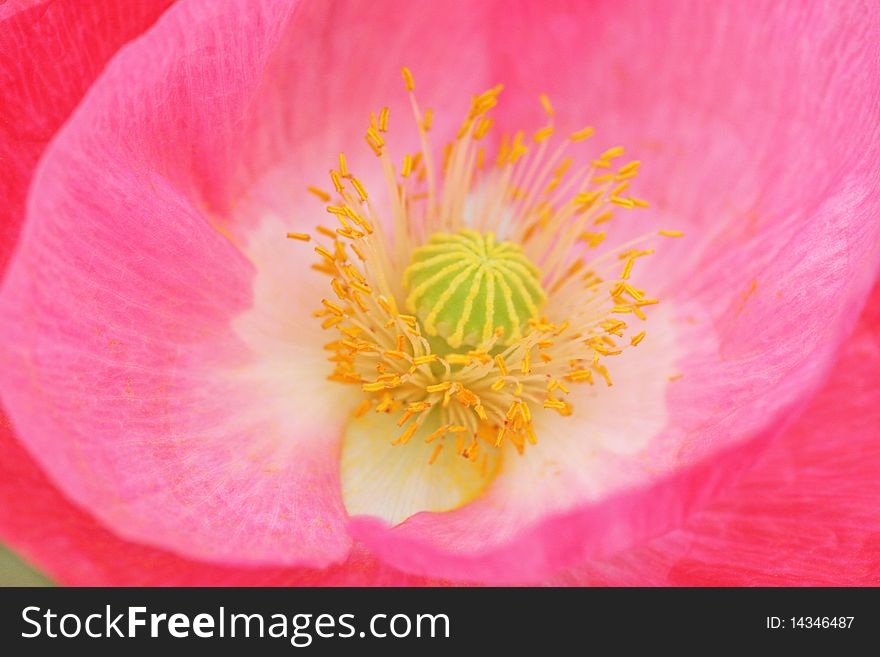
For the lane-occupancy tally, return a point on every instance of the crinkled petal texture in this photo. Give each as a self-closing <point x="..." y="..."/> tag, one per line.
<point x="805" y="515"/>
<point x="166" y="373"/>
<point x="757" y="125"/>
<point x="52" y="51"/>
<point x="74" y="549"/>
<point x="165" y="368"/>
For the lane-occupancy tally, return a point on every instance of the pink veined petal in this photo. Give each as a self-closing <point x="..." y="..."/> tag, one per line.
<point x="75" y="550"/>
<point x="806" y="514"/>
<point x="747" y="149"/>
<point x="164" y="366"/>
<point x="51" y="52"/>
<point x="127" y="382"/>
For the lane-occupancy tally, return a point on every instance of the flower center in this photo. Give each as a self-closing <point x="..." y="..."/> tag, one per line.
<point x="465" y="286"/>
<point x="496" y="330"/>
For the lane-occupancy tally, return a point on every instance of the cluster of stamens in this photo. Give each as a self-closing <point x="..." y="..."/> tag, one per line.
<point x="477" y="380"/>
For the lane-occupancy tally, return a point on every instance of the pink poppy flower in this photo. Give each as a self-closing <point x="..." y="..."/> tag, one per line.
<point x="505" y="400"/>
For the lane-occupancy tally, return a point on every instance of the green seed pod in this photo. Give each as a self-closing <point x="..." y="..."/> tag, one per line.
<point x="464" y="286"/>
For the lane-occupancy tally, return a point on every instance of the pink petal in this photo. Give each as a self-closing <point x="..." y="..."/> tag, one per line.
<point x="129" y="383"/>
<point x="164" y="363"/>
<point x="52" y="51"/>
<point x="805" y="515"/>
<point x="130" y="386"/>
<point x="76" y="550"/>
<point x="765" y="152"/>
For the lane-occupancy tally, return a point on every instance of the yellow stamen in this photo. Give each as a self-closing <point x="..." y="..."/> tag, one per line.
<point x="405" y="437"/>
<point x="545" y="103"/>
<point x="324" y="196"/>
<point x="408" y="79"/>
<point x="582" y="134"/>
<point x="435" y="454"/>
<point x="363" y="408"/>
<point x="477" y="302"/>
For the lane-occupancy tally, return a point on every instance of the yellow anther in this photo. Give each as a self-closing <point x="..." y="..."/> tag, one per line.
<point x="622" y="187"/>
<point x="482" y="128"/>
<point x="436" y="453"/>
<point x="526" y="366"/>
<point x="611" y="153"/>
<point x="580" y="375"/>
<point x="359" y="188"/>
<point x="545" y="103"/>
<point x="582" y="134"/>
<point x="337" y="182"/>
<point x="320" y="250"/>
<point x="543" y="134"/>
<point x="405" y="437"/>
<point x="332" y="307"/>
<point x="374" y="136"/>
<point x="408" y="79"/>
<point x="321" y="194"/>
<point x="434" y="435"/>
<point x="603" y="371"/>
<point x="593" y="239"/>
